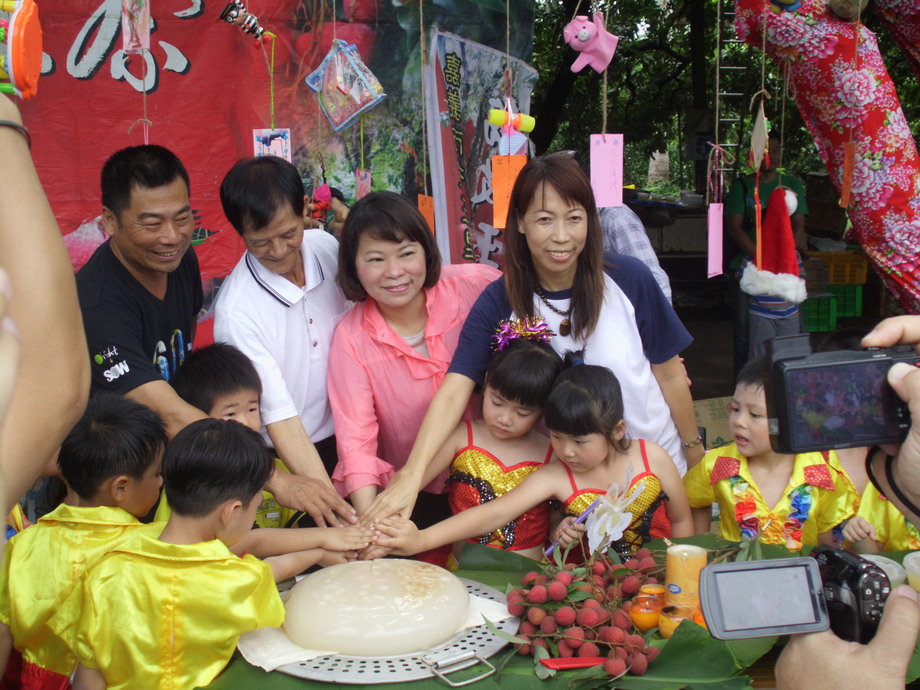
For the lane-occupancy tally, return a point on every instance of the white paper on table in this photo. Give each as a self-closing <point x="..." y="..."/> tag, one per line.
<point x="269" y="648"/>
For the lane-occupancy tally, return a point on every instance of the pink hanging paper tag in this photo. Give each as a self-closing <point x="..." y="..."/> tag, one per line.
<point x="426" y="206"/>
<point x="505" y="170"/>
<point x="714" y="263"/>
<point x="607" y="169"/>
<point x="362" y="183"/>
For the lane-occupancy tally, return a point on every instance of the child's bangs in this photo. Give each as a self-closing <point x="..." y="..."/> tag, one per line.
<point x="569" y="411"/>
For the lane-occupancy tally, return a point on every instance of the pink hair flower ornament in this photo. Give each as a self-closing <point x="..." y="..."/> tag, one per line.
<point x="535" y="329"/>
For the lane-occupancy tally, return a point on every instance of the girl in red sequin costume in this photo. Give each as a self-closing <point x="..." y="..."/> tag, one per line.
<point x="490" y="456"/>
<point x="584" y="413"/>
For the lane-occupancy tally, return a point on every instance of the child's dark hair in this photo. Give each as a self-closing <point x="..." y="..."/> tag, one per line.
<point x="212" y="372"/>
<point x="211" y="461"/>
<point x="752" y="373"/>
<point x="586" y="399"/>
<point x="524" y="372"/>
<point x="843" y="339"/>
<point x="114" y="437"/>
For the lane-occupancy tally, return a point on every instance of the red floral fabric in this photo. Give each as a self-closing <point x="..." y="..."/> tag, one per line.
<point x="842" y="88"/>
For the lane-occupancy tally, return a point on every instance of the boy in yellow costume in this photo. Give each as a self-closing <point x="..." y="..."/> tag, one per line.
<point x="880" y="526"/>
<point x="222" y="381"/>
<point x="111" y="460"/>
<point x="787" y="499"/>
<point x="167" y="612"/>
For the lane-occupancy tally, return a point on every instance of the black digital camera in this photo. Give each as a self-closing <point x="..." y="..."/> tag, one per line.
<point x="831" y="588"/>
<point x="855" y="591"/>
<point x="823" y="400"/>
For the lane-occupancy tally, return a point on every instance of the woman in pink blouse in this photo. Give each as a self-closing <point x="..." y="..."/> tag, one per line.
<point x="390" y="353"/>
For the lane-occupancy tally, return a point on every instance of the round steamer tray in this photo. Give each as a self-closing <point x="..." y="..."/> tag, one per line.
<point x="466" y="648"/>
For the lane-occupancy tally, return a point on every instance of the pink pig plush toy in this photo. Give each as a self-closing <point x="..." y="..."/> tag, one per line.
<point x="595" y="44"/>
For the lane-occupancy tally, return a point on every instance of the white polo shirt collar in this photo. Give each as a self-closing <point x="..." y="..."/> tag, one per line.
<point x="280" y="287"/>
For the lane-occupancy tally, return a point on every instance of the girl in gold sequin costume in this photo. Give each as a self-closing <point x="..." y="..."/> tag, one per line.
<point x="490" y="456"/>
<point x="584" y="413"/>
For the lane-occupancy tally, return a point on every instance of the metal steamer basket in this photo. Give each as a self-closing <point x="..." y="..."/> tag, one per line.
<point x="466" y="648"/>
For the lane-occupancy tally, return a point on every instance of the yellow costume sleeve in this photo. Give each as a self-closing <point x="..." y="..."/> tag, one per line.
<point x="835" y="506"/>
<point x="697" y="484"/>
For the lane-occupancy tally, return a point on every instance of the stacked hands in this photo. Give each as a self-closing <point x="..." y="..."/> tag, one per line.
<point x="399" y="536"/>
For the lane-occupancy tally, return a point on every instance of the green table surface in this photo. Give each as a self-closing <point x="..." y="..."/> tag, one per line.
<point x="498" y="569"/>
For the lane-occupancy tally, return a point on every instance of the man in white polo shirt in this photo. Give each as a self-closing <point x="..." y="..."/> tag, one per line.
<point x="280" y="306"/>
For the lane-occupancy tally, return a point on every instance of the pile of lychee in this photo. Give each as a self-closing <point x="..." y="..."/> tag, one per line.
<point x="583" y="611"/>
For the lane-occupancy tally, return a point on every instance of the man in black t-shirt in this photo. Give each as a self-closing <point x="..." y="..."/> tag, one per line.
<point x="140" y="294"/>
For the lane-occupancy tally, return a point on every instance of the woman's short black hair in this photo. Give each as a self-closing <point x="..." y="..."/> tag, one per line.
<point x="212" y="461"/>
<point x="383" y="216"/>
<point x="257" y="189"/>
<point x="524" y="372"/>
<point x="587" y="399"/>
<point x="114" y="437"/>
<point x="212" y="372"/>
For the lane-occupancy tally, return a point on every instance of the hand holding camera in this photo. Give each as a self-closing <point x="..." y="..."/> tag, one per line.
<point x="830" y="588"/>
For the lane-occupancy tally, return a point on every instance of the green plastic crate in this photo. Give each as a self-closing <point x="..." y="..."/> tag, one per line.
<point x="820" y="313"/>
<point x="849" y="299"/>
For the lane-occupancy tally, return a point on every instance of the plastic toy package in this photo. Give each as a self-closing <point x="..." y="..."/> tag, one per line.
<point x="20" y="48"/>
<point x="345" y="86"/>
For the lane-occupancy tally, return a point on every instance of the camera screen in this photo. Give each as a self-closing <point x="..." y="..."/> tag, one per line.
<point x="773" y="597"/>
<point x="840" y="404"/>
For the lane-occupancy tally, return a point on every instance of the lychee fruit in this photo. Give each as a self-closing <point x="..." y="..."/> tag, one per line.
<point x="565" y="616"/>
<point x="536" y="615"/>
<point x="620" y="620"/>
<point x="629" y="587"/>
<point x="615" y="667"/>
<point x="539" y="595"/>
<point x="636" y="641"/>
<point x="589" y="649"/>
<point x="557" y="590"/>
<point x="587" y="617"/>
<point x="639" y="665"/>
<point x="575" y="636"/>
<point x="530" y="577"/>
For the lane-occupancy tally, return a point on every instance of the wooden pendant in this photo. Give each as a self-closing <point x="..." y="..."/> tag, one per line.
<point x="565" y="327"/>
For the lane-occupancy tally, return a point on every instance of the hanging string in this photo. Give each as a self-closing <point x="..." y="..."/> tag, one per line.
<point x="508" y="53"/>
<point x="758" y="220"/>
<point x="270" y="65"/>
<point x="575" y="14"/>
<point x="424" y="50"/>
<point x="782" y="110"/>
<point x="718" y="109"/>
<point x="361" y="130"/>
<point x="604" y="86"/>
<point x="145" y="122"/>
<point x="718" y="159"/>
<point x="322" y="165"/>
<point x="509" y="129"/>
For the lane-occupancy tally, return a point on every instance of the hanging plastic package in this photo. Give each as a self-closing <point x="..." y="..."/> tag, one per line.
<point x="345" y="86"/>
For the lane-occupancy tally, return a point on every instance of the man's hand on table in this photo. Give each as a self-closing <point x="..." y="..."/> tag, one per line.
<point x="314" y="497"/>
